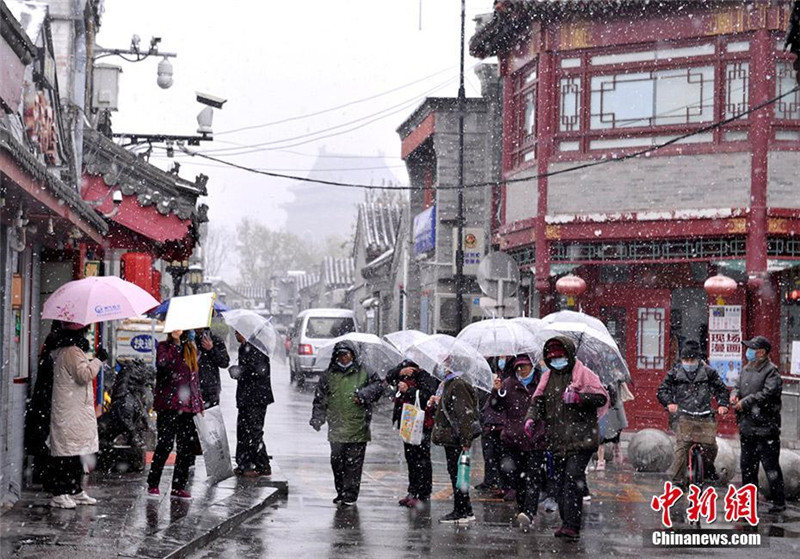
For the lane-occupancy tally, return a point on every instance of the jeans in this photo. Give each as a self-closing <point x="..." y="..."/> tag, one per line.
<point x="347" y="462"/>
<point x="251" y="452"/>
<point x="64" y="475"/>
<point x="527" y="478"/>
<point x="420" y="470"/>
<point x="178" y="428"/>
<point x="462" y="505"/>
<point x="765" y="450"/>
<point x="570" y="471"/>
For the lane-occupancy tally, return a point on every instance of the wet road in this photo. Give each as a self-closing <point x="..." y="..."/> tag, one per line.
<point x="308" y="525"/>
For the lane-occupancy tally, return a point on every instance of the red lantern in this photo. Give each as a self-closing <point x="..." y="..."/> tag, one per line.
<point x="794" y="295"/>
<point x="720" y="286"/>
<point x="572" y="286"/>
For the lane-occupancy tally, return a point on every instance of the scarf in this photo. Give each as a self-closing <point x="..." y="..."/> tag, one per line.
<point x="584" y="381"/>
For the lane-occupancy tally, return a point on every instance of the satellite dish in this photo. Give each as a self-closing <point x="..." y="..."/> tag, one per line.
<point x="498" y="269"/>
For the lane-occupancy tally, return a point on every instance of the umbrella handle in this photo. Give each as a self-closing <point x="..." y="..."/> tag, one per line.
<point x="502" y="393"/>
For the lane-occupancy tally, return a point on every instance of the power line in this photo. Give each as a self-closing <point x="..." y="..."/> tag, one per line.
<point x="603" y="160"/>
<point x="336" y="108"/>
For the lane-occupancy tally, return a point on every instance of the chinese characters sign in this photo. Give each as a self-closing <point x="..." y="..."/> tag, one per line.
<point x="740" y="504"/>
<point x="725" y="341"/>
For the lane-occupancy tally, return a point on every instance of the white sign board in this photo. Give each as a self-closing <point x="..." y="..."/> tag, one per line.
<point x="795" y="369"/>
<point x="189" y="312"/>
<point x="473" y="249"/>
<point x="725" y="341"/>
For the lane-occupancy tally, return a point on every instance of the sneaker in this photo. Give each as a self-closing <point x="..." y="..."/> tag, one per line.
<point x="181" y="494"/>
<point x="267" y="471"/>
<point x="485" y="487"/>
<point x="457" y="518"/>
<point x="510" y="495"/>
<point x="250" y="473"/>
<point x="153" y="493"/>
<point x="404" y="501"/>
<point x="568" y="534"/>
<point x="238" y="472"/>
<point x="83" y="499"/>
<point x="62" y="502"/>
<point x="337" y="499"/>
<point x="587" y="498"/>
<point x="550" y="505"/>
<point x="348" y="503"/>
<point x="776" y="509"/>
<point x="413" y="503"/>
<point x="524" y="520"/>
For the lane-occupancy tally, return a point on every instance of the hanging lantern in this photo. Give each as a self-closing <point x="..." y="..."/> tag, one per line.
<point x="572" y="286"/>
<point x="720" y="286"/>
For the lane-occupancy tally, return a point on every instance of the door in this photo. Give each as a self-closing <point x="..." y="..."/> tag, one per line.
<point x="638" y="319"/>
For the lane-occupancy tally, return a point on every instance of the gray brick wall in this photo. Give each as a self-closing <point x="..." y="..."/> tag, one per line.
<point x="784" y="179"/>
<point x="654" y="184"/>
<point x="521" y="197"/>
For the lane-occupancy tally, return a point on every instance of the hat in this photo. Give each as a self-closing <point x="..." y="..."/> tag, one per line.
<point x="522" y="360"/>
<point x="554" y="348"/>
<point x="759" y="342"/>
<point x="691" y="350"/>
<point x="341" y="350"/>
<point x="74" y="326"/>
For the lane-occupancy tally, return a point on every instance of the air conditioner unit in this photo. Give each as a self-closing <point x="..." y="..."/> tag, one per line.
<point x="445" y="318"/>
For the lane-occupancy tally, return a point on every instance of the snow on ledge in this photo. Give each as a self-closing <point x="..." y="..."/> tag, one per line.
<point x="712" y="213"/>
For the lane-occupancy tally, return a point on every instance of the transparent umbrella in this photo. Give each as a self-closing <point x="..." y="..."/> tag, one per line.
<point x="254" y="328"/>
<point x="403" y="339"/>
<point x="439" y="353"/>
<point x="595" y="346"/>
<point x="499" y="336"/>
<point x="375" y="355"/>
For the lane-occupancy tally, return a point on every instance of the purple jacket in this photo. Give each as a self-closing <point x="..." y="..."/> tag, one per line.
<point x="510" y="405"/>
<point x="177" y="386"/>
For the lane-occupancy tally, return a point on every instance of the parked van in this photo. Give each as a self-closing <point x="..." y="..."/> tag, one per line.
<point x="312" y="329"/>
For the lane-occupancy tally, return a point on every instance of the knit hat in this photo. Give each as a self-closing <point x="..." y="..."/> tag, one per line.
<point x="691" y="350"/>
<point x="522" y="360"/>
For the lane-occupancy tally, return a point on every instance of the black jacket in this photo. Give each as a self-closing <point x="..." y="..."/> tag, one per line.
<point x="693" y="394"/>
<point x="209" y="363"/>
<point x="255" y="384"/>
<point x="759" y="389"/>
<point x="421" y="381"/>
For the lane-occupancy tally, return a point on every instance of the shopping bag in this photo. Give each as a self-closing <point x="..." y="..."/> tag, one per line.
<point x="412" y="422"/>
<point x="625" y="393"/>
<point x="214" y="442"/>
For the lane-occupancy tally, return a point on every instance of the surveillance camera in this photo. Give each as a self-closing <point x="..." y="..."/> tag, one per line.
<point x="210" y="100"/>
<point x="116" y="197"/>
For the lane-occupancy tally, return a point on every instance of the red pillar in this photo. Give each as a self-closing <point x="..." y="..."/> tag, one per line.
<point x="759" y="291"/>
<point x="544" y="139"/>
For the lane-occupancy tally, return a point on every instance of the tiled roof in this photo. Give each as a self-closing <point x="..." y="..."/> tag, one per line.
<point x="338" y="272"/>
<point x="307" y="280"/>
<point x="252" y="291"/>
<point x="378" y="224"/>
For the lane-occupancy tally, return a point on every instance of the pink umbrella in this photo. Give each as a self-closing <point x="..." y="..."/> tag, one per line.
<point x="97" y="299"/>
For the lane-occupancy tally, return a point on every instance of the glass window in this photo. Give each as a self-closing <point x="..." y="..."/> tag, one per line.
<point x="662" y="97"/>
<point x="787" y="108"/>
<point x="570" y="113"/>
<point x="738" y="46"/>
<point x="529" y="124"/>
<point x="569" y="146"/>
<point x="737" y="84"/>
<point x="787" y="136"/>
<point x="571" y="63"/>
<point x="658" y="54"/>
<point x="329" y="327"/>
<point x="650" y="338"/>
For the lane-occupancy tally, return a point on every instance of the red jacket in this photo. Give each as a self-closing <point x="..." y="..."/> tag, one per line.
<point x="177" y="386"/>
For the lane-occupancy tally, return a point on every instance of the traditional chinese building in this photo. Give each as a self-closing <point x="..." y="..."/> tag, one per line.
<point x="587" y="84"/>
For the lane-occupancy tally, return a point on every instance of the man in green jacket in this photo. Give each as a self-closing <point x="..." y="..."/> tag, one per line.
<point x="344" y="397"/>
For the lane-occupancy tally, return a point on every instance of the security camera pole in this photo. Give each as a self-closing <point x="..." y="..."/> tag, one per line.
<point x="460" y="176"/>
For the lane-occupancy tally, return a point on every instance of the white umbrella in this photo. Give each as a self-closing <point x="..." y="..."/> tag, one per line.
<point x="499" y="336"/>
<point x="254" y="328"/>
<point x="374" y="354"/>
<point x="440" y="353"/>
<point x="404" y="339"/>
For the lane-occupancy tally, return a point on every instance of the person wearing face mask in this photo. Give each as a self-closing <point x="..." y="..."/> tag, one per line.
<point x="757" y="401"/>
<point x="569" y="399"/>
<point x="343" y="398"/>
<point x="686" y="392"/>
<point x="524" y="445"/>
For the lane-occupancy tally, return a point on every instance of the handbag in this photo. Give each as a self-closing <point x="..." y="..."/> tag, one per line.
<point x="412" y="422"/>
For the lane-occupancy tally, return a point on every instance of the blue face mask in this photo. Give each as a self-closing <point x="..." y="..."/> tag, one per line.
<point x="750" y="354"/>
<point x="190" y="335"/>
<point x="559" y="363"/>
<point x="501" y="363"/>
<point x="690" y="367"/>
<point x="526" y="380"/>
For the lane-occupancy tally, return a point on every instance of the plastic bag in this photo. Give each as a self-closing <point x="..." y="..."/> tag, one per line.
<point x="214" y="442"/>
<point x="412" y="422"/>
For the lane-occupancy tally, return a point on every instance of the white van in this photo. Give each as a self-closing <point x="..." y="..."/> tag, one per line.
<point x="312" y="329"/>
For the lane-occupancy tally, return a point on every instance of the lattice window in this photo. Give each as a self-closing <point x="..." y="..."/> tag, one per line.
<point x="787" y="108"/>
<point x="656" y="98"/>
<point x="524" y="147"/>
<point x="737" y="84"/>
<point x="570" y="113"/>
<point x="650" y="334"/>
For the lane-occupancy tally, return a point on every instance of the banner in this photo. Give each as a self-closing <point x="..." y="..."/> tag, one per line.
<point x="725" y="341"/>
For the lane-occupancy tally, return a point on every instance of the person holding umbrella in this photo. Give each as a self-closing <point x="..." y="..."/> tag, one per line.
<point x="569" y="398"/>
<point x="177" y="400"/>
<point x="413" y="382"/>
<point x="343" y="398"/>
<point x="253" y="395"/>
<point x="213" y="357"/>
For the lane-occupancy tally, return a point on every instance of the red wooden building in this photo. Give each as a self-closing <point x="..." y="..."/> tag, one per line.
<point x="587" y="80"/>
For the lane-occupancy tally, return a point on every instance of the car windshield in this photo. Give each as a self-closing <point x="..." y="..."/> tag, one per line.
<point x="329" y="327"/>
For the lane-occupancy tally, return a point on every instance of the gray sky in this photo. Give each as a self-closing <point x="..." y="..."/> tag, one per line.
<point x="278" y="59"/>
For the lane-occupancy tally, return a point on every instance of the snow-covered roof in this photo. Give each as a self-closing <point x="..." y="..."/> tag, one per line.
<point x="338" y="272"/>
<point x="30" y="14"/>
<point x="378" y="224"/>
<point x="307" y="280"/>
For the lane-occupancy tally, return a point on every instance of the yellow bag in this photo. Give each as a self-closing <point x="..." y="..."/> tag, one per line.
<point x="412" y="422"/>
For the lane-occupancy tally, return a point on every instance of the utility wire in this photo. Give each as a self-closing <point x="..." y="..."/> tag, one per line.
<point x="603" y="160"/>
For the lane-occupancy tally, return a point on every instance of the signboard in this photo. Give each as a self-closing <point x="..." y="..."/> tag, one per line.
<point x="425" y="231"/>
<point x="795" y="368"/>
<point x="473" y="249"/>
<point x="725" y="341"/>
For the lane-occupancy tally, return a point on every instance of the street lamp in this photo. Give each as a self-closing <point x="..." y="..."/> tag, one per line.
<point x="194" y="277"/>
<point x="460" y="176"/>
<point x="177" y="269"/>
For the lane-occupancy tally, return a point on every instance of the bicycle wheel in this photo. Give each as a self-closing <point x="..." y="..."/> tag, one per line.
<point x="696" y="467"/>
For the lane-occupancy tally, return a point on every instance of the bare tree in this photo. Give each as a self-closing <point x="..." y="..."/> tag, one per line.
<point x="217" y="247"/>
<point x="264" y="252"/>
